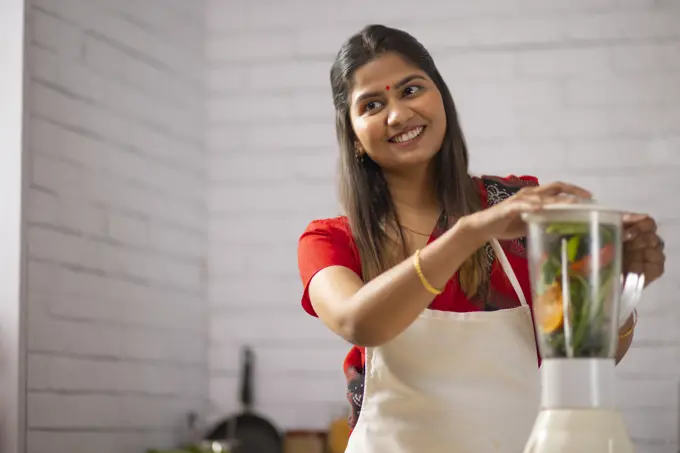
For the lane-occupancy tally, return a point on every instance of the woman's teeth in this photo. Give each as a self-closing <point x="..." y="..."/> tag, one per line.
<point x="406" y="136"/>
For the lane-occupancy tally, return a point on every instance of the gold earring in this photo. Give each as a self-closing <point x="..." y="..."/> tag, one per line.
<point x="358" y="152"/>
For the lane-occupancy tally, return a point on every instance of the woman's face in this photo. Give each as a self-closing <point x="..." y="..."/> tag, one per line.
<point x="397" y="113"/>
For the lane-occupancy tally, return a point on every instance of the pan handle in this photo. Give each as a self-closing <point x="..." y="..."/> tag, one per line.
<point x="247" y="379"/>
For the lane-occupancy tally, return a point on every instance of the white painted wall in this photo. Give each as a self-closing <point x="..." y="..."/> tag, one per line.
<point x="586" y="91"/>
<point x="116" y="218"/>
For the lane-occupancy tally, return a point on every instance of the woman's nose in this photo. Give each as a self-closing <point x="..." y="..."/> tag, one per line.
<point x="399" y="114"/>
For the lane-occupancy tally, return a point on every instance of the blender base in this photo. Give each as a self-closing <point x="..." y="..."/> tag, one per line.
<point x="578" y="409"/>
<point x="579" y="431"/>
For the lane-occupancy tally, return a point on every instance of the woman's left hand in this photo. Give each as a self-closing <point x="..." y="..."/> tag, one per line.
<point x="642" y="247"/>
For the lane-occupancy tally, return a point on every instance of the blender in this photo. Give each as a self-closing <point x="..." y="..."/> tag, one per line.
<point x="580" y="302"/>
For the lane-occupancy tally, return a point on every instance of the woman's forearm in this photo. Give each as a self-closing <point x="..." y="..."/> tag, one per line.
<point x="388" y="304"/>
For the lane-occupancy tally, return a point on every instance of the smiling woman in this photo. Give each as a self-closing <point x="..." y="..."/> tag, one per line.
<point x="426" y="271"/>
<point x="413" y="126"/>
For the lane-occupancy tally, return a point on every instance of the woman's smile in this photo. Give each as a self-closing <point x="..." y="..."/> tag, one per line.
<point x="408" y="138"/>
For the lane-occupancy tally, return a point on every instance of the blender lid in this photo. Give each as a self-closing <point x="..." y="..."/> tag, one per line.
<point x="583" y="207"/>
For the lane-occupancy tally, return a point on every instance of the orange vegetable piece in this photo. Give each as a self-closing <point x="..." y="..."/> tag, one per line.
<point x="583" y="266"/>
<point x="548" y="308"/>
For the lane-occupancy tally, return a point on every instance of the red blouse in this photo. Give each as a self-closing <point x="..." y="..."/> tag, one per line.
<point x="329" y="242"/>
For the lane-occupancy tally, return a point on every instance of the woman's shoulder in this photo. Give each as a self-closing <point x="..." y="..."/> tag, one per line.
<point x="337" y="226"/>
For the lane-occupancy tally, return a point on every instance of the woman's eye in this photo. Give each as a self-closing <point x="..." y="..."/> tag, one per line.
<point x="413" y="89"/>
<point x="372" y="105"/>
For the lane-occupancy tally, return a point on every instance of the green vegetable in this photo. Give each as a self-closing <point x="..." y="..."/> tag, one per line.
<point x="591" y="268"/>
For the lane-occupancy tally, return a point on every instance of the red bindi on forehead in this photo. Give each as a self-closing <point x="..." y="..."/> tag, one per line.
<point x="387" y="87"/>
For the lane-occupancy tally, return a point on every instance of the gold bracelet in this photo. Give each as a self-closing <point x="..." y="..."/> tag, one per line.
<point x="423" y="280"/>
<point x="632" y="328"/>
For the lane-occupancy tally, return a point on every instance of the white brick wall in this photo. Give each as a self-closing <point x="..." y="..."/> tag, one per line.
<point x="116" y="217"/>
<point x="586" y="91"/>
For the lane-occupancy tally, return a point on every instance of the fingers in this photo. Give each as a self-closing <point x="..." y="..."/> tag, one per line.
<point x="654" y="256"/>
<point x="534" y="198"/>
<point x="638" y="224"/>
<point x="560" y="198"/>
<point x="643" y="241"/>
<point x="650" y="256"/>
<point x="536" y="201"/>
<point x="636" y="267"/>
<point x="633" y="217"/>
<point x="653" y="271"/>
<point x="556" y="188"/>
<point x="643" y="249"/>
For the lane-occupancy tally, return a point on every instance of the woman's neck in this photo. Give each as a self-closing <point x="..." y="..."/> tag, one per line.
<point x="415" y="198"/>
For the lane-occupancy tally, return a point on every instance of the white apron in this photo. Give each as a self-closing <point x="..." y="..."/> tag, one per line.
<point x="453" y="383"/>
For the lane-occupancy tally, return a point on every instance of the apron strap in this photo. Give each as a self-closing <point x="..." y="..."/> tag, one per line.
<point x="505" y="264"/>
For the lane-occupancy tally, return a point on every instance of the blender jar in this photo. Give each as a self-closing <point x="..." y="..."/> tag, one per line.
<point x="575" y="254"/>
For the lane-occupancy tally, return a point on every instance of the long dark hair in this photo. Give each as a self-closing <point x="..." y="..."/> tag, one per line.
<point x="364" y="194"/>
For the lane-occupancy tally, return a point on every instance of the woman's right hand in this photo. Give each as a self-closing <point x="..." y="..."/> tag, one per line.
<point x="503" y="221"/>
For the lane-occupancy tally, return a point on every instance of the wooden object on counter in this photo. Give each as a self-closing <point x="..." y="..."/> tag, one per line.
<point x="304" y="442"/>
<point x="338" y="435"/>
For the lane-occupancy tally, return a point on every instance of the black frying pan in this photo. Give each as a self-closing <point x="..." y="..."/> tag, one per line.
<point x="248" y="432"/>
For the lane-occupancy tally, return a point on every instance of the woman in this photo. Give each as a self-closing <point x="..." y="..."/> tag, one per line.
<point x="426" y="273"/>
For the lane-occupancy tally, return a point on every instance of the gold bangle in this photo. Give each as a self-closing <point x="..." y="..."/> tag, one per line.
<point x="632" y="328"/>
<point x="423" y="280"/>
